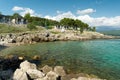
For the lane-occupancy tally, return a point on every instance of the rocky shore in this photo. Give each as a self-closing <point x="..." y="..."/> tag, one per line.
<point x="48" y="36"/>
<point x="29" y="71"/>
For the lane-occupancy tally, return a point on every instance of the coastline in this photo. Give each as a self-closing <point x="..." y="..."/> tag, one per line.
<point x="50" y="36"/>
<point x="11" y="39"/>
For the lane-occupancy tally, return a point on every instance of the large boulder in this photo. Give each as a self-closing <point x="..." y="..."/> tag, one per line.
<point x="20" y="75"/>
<point x="6" y="75"/>
<point x="27" y="65"/>
<point x="46" y="69"/>
<point x="52" y="76"/>
<point x="59" y="70"/>
<point x="34" y="73"/>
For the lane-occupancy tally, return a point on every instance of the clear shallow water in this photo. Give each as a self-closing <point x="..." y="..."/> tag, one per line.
<point x="99" y="57"/>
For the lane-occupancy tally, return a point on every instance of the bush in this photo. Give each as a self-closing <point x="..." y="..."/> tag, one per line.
<point x="31" y="26"/>
<point x="49" y="27"/>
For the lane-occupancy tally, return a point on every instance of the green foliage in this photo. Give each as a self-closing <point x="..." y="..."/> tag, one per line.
<point x="92" y="29"/>
<point x="50" y="27"/>
<point x="31" y="26"/>
<point x="42" y="22"/>
<point x="16" y="16"/>
<point x="0" y="13"/>
<point x="75" y="24"/>
<point x="28" y="17"/>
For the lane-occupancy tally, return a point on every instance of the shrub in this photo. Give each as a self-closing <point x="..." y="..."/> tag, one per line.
<point x="31" y="26"/>
<point x="49" y="27"/>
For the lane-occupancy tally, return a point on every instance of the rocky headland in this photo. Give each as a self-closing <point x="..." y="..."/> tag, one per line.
<point x="48" y="36"/>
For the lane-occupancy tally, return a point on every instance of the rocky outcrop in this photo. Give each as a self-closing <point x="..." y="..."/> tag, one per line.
<point x="28" y="71"/>
<point x="24" y="38"/>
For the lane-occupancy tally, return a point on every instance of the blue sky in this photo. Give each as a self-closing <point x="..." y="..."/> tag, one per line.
<point x="92" y="10"/>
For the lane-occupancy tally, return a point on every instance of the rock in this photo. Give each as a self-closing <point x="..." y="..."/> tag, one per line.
<point x="36" y="39"/>
<point x="59" y="70"/>
<point x="25" y="40"/>
<point x="27" y="65"/>
<point x="11" y="41"/>
<point x="21" y="58"/>
<point x="34" y="73"/>
<point x="36" y="57"/>
<point x="47" y="35"/>
<point x="20" y="75"/>
<point x="44" y="78"/>
<point x="6" y="75"/>
<point x="74" y="79"/>
<point x="19" y="39"/>
<point x="46" y="69"/>
<point x="52" y="76"/>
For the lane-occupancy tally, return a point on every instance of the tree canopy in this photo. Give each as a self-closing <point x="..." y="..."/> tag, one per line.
<point x="16" y="16"/>
<point x="75" y="24"/>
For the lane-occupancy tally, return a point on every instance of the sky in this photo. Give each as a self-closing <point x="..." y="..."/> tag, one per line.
<point x="93" y="12"/>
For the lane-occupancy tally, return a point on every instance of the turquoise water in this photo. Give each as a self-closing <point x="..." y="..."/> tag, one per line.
<point x="98" y="57"/>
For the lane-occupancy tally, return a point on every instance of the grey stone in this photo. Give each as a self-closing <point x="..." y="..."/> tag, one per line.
<point x="59" y="70"/>
<point x="27" y="65"/>
<point x="20" y="75"/>
<point x="46" y="69"/>
<point x="34" y="73"/>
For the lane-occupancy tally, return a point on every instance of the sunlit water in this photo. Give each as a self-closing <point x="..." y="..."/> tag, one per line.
<point x="99" y="57"/>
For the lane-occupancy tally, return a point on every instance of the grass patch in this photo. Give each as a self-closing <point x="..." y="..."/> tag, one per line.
<point x="11" y="29"/>
<point x="54" y="32"/>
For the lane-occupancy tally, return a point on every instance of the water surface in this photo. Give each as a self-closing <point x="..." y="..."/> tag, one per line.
<point x="99" y="57"/>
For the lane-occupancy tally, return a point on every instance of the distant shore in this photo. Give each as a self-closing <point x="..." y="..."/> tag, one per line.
<point x="9" y="39"/>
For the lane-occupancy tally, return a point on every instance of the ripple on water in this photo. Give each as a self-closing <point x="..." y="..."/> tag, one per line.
<point x="99" y="57"/>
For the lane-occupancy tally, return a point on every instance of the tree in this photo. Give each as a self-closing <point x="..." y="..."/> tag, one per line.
<point x="31" y="26"/>
<point x="94" y="29"/>
<point x="28" y="17"/>
<point x="0" y="13"/>
<point x="16" y="16"/>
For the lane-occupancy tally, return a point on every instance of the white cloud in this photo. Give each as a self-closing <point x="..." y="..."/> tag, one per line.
<point x="23" y="11"/>
<point x="16" y="8"/>
<point x="99" y="21"/>
<point x="61" y="16"/>
<point x="86" y="11"/>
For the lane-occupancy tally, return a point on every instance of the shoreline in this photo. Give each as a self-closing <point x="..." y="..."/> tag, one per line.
<point x="24" y="64"/>
<point x="11" y="39"/>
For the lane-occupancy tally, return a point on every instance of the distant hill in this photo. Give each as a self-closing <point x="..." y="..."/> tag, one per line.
<point x="115" y="31"/>
<point x="106" y="28"/>
<point x="111" y="32"/>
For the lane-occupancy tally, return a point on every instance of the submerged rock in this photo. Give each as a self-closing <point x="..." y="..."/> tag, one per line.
<point x="6" y="75"/>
